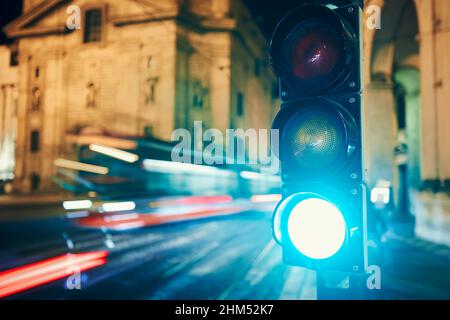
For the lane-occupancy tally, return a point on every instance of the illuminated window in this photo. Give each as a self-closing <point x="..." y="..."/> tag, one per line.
<point x="93" y="25"/>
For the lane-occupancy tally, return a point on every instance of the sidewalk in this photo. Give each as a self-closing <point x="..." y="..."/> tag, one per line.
<point x="432" y="212"/>
<point x="36" y="206"/>
<point x="10" y="201"/>
<point x="435" y="234"/>
<point x="414" y="268"/>
<point x="424" y="236"/>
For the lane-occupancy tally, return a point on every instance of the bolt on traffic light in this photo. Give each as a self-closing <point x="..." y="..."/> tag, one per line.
<point x="321" y="221"/>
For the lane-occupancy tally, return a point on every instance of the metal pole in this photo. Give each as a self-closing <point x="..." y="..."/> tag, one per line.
<point x="340" y="286"/>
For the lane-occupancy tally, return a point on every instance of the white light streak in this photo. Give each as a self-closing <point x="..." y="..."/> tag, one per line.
<point x="184" y="168"/>
<point x="266" y="198"/>
<point x="74" y="165"/>
<point x="114" y="153"/>
<point x="77" y="204"/>
<point x="249" y="175"/>
<point x="118" y="206"/>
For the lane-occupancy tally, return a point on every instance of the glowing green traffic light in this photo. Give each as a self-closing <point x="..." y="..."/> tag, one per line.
<point x="316" y="228"/>
<point x="321" y="222"/>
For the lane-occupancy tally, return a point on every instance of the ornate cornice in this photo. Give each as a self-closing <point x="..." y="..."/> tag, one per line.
<point x="23" y="26"/>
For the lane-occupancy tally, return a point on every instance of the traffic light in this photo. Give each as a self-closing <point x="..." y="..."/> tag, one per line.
<point x="321" y="221"/>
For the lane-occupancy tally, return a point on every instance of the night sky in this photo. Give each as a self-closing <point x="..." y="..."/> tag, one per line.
<point x="269" y="12"/>
<point x="8" y="11"/>
<point x="266" y="12"/>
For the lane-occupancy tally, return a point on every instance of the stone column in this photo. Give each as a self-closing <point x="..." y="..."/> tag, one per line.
<point x="2" y="109"/>
<point x="380" y="132"/>
<point x="21" y="183"/>
<point x="429" y="151"/>
<point x="442" y="85"/>
<point x="220" y="75"/>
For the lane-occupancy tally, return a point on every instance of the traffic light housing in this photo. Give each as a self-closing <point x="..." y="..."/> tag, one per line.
<point x="321" y="221"/>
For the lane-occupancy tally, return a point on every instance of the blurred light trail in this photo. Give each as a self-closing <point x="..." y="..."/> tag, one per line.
<point x="155" y="219"/>
<point x="74" y="165"/>
<point x="43" y="272"/>
<point x="102" y="140"/>
<point x="250" y="175"/>
<point x="114" y="153"/>
<point x="77" y="204"/>
<point x="191" y="201"/>
<point x="75" y="215"/>
<point x="118" y="206"/>
<point x="129" y="226"/>
<point x="184" y="168"/>
<point x="122" y="217"/>
<point x="266" y="198"/>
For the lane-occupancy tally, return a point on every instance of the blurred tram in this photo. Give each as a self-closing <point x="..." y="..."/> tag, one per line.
<point x="150" y="172"/>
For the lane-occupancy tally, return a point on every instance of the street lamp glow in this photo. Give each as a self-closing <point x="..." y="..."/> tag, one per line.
<point x="317" y="228"/>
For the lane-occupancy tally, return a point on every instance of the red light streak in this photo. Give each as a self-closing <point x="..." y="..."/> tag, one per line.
<point x="42" y="272"/>
<point x="192" y="201"/>
<point x="154" y="219"/>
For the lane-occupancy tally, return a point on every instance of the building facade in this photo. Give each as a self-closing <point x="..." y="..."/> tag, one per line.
<point x="8" y="111"/>
<point x="132" y="68"/>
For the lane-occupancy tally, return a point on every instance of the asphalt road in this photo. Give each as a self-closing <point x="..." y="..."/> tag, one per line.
<point x="226" y="254"/>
